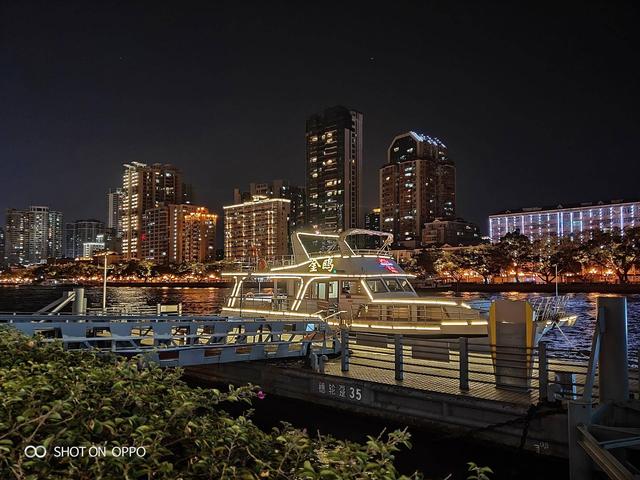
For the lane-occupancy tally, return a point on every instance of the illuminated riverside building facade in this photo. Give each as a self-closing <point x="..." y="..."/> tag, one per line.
<point x="145" y="187"/>
<point x="334" y="169"/>
<point x="256" y="229"/>
<point x="278" y="189"/>
<point x="192" y="231"/>
<point x="575" y="221"/>
<point x="417" y="185"/>
<point x="178" y="234"/>
<point x="32" y="236"/>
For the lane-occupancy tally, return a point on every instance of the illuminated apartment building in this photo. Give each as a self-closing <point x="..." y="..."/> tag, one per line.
<point x="417" y="185"/>
<point x="575" y="221"/>
<point x="178" y="234"/>
<point x="278" y="189"/>
<point x="334" y="170"/>
<point x="192" y="234"/>
<point x="143" y="188"/>
<point x="256" y="229"/>
<point x="33" y="235"/>
<point x="154" y="239"/>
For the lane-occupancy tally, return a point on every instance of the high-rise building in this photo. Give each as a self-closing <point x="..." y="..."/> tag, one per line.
<point x="576" y="221"/>
<point x="77" y="233"/>
<point x="372" y="220"/>
<point x="178" y="234"/>
<point x="33" y="235"/>
<point x="192" y="234"/>
<point x="16" y="232"/>
<point x="417" y="185"/>
<point x="257" y="229"/>
<point x="114" y="210"/>
<point x="3" y="259"/>
<point x="145" y="187"/>
<point x="154" y="240"/>
<point x="278" y="189"/>
<point x="334" y="169"/>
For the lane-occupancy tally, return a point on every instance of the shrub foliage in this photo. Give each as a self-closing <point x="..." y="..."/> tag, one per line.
<point x="59" y="398"/>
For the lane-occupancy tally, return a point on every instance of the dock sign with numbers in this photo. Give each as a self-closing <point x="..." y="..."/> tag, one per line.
<point x="340" y="391"/>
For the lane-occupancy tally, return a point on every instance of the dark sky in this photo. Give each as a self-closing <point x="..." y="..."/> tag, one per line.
<point x="538" y="103"/>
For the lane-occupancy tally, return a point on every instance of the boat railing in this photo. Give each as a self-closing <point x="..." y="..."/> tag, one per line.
<point x="418" y="312"/>
<point x="378" y="252"/>
<point x="262" y="264"/>
<point x="549" y="308"/>
<point x="360" y="310"/>
<point x="273" y="304"/>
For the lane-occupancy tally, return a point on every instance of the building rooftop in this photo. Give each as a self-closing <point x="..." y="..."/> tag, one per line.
<point x="562" y="206"/>
<point x="426" y="138"/>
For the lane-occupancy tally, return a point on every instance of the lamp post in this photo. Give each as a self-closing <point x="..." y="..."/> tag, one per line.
<point x="556" y="265"/>
<point x="105" y="254"/>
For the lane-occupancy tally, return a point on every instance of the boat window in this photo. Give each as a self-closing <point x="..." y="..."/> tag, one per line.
<point x="376" y="286"/>
<point x="333" y="289"/>
<point x="393" y="285"/>
<point x="406" y="286"/>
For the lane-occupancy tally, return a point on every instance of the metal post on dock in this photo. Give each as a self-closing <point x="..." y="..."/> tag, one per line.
<point x="344" y="339"/>
<point x="543" y="373"/>
<point x="397" y="339"/>
<point x="463" y="348"/>
<point x="79" y="305"/>
<point x="580" y="467"/>
<point x="613" y="367"/>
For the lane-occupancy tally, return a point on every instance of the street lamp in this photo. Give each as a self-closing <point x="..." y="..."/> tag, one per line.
<point x="105" y="254"/>
<point x="556" y="265"/>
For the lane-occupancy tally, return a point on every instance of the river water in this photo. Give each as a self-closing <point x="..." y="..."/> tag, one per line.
<point x="204" y="301"/>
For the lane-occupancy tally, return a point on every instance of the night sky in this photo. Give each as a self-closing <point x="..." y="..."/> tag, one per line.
<point x="538" y="104"/>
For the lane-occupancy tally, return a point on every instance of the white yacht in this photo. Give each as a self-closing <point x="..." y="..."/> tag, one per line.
<point x="363" y="289"/>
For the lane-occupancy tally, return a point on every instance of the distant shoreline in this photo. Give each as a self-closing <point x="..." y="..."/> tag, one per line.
<point x="536" y="288"/>
<point x="127" y="284"/>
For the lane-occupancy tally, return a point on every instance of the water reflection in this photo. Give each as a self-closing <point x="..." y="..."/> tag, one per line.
<point x="205" y="301"/>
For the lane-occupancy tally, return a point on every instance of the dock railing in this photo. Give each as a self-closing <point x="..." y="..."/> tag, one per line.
<point x="187" y="340"/>
<point x="464" y="365"/>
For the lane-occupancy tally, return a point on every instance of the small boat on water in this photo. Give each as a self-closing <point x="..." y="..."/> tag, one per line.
<point x="351" y="280"/>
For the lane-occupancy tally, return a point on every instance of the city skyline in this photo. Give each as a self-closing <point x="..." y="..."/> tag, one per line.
<point x="181" y="90"/>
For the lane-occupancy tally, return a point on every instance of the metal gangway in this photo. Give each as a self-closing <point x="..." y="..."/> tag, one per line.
<point x="182" y="341"/>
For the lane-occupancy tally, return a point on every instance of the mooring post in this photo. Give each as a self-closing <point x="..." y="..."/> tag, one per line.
<point x="79" y="305"/>
<point x="344" y="339"/>
<point x="580" y="467"/>
<point x="463" y="350"/>
<point x="397" y="339"/>
<point x="322" y="361"/>
<point x="613" y="366"/>
<point x="543" y="373"/>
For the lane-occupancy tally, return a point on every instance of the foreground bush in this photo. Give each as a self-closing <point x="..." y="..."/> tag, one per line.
<point x="59" y="398"/>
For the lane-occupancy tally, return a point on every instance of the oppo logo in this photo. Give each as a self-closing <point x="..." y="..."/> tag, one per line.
<point x="38" y="451"/>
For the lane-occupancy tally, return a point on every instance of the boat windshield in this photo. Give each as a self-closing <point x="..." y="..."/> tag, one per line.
<point x="387" y="285"/>
<point x="318" y="245"/>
